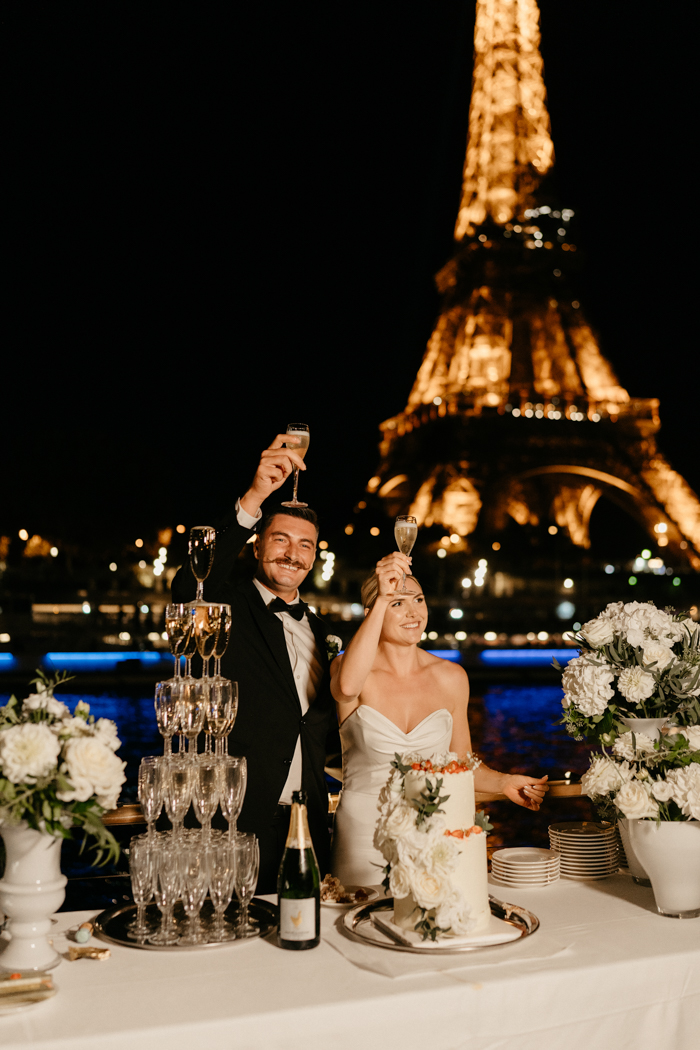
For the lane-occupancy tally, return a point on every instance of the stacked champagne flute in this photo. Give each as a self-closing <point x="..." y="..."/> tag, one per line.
<point x="188" y="864"/>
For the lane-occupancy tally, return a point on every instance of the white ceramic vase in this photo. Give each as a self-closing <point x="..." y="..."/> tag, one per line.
<point x="650" y="727"/>
<point x="670" y="853"/>
<point x="633" y="862"/>
<point x="30" y="892"/>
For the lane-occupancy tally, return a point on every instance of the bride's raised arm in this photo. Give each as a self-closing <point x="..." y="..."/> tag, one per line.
<point x="349" y="672"/>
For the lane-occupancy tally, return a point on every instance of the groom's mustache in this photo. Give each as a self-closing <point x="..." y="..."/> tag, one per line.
<point x="288" y="563"/>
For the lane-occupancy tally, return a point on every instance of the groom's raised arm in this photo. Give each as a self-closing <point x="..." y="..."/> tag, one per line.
<point x="235" y="529"/>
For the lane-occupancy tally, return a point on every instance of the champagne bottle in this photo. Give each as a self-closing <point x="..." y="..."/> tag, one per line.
<point x="299" y="884"/>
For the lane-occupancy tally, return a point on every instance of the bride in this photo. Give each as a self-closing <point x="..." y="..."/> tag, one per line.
<point x="394" y="697"/>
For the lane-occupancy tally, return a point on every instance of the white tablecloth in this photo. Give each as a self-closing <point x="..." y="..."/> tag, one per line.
<point x="609" y="974"/>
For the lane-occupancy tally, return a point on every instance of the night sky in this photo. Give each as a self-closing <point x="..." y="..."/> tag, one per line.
<point x="224" y="219"/>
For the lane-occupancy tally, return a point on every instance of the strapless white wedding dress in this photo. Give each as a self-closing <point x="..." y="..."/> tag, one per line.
<point x="370" y="740"/>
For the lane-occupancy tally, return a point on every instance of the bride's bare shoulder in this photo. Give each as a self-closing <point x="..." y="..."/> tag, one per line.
<point x="451" y="674"/>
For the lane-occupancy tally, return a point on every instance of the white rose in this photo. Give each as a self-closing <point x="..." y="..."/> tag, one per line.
<point x="598" y="632"/>
<point x="603" y="776"/>
<point x="45" y="702"/>
<point x="429" y="888"/>
<point x="399" y="881"/>
<point x="92" y="769"/>
<point x="636" y="684"/>
<point x="635" y="802"/>
<point x="662" y="790"/>
<point x="623" y="746"/>
<point x="106" y="732"/>
<point x="27" y="752"/>
<point x="656" y="653"/>
<point x="587" y="686"/>
<point x="691" y="734"/>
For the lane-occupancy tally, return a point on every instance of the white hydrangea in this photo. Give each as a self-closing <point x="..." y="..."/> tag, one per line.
<point x="587" y="686"/>
<point x="644" y="621"/>
<point x="27" y="752"/>
<point x="636" y="684"/>
<point x="634" y="800"/>
<point x="604" y="776"/>
<point x="686" y="789"/>
<point x="624" y="749"/>
<point x="43" y="701"/>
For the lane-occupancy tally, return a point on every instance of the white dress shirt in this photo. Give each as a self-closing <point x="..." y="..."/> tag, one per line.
<point x="307" y="668"/>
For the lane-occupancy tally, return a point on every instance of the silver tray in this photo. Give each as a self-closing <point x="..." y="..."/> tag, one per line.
<point x="358" y="923"/>
<point x="111" y="925"/>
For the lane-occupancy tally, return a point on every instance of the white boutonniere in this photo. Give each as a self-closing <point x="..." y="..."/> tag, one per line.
<point x="333" y="645"/>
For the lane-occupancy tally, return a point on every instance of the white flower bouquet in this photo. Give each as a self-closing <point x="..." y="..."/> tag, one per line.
<point x="635" y="661"/>
<point x="421" y="857"/>
<point x="58" y="770"/>
<point x="647" y="779"/>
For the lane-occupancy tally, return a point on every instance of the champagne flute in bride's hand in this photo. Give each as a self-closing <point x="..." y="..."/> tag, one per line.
<point x="201" y="550"/>
<point x="405" y="534"/>
<point x="301" y="432"/>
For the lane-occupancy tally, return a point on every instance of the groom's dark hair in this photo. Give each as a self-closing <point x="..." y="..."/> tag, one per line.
<point x="305" y="513"/>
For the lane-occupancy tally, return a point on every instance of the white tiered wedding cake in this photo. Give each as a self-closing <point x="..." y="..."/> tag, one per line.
<point x="436" y="851"/>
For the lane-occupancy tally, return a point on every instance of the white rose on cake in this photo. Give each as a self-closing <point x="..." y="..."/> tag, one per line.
<point x="636" y="684"/>
<point x="399" y="880"/>
<point x="635" y="802"/>
<point x="429" y="888"/>
<point x="28" y="752"/>
<point x="93" y="769"/>
<point x="587" y="686"/>
<point x="455" y="915"/>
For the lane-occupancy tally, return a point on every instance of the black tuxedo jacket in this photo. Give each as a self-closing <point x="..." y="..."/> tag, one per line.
<point x="269" y="716"/>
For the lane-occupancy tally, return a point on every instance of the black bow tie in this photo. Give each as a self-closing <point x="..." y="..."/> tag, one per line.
<point x="298" y="610"/>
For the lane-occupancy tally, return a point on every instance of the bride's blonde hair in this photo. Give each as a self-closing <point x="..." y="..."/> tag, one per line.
<point x="370" y="590"/>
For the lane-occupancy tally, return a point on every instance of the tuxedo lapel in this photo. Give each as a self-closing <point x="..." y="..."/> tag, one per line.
<point x="272" y="631"/>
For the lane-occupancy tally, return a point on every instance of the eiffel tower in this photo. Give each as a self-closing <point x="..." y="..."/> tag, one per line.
<point x="515" y="414"/>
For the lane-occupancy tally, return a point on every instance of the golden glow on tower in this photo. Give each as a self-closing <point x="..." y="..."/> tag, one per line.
<point x="509" y="147"/>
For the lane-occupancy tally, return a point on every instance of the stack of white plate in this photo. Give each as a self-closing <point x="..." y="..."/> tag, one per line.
<point x="589" y="850"/>
<point x="525" y="866"/>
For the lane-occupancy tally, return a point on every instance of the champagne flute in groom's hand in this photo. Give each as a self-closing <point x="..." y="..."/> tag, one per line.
<point x="301" y="432"/>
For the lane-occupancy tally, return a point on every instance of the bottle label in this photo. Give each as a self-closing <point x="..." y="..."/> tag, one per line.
<point x="298" y="919"/>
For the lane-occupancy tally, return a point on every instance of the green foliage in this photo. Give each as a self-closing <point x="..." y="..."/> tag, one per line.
<point x="481" y="820"/>
<point x="427" y="927"/>
<point x="429" y="802"/>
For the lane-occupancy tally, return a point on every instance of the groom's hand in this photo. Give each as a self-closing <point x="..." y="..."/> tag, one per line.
<point x="275" y="466"/>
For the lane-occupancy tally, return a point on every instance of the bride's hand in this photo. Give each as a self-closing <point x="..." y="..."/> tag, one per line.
<point x="390" y="572"/>
<point x="525" y="791"/>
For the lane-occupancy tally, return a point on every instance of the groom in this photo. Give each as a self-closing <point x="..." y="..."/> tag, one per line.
<point x="277" y="655"/>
